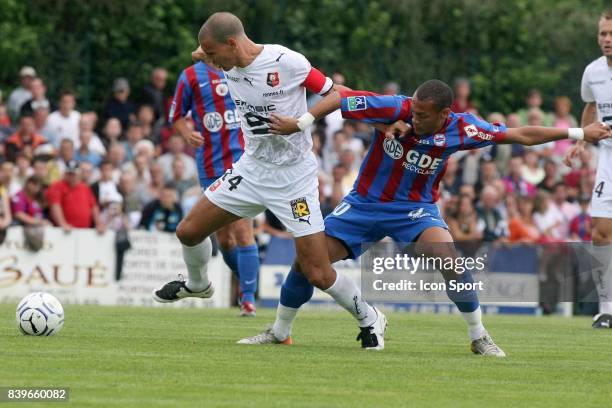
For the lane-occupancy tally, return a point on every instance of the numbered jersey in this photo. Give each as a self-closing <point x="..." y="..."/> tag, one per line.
<point x="275" y="82"/>
<point x="597" y="87"/>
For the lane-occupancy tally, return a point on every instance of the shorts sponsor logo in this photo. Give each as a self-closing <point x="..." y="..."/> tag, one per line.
<point x="439" y="139"/>
<point x="273" y="79"/>
<point x="299" y="209"/>
<point x="393" y="148"/>
<point x="341" y="208"/>
<point x="357" y="103"/>
<point x="213" y="121"/>
<point x="419" y="213"/>
<point x="221" y="90"/>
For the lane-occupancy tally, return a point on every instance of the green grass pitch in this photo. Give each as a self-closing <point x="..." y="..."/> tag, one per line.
<point x="139" y="357"/>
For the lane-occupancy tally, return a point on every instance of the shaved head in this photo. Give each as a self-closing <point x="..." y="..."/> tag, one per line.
<point x="221" y="26"/>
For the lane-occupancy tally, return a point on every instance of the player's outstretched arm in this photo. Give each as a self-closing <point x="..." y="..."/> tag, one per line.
<point x="534" y="135"/>
<point x="286" y="125"/>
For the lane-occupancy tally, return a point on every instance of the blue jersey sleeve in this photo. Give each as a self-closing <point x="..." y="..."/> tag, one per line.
<point x="181" y="103"/>
<point x="369" y="107"/>
<point x="479" y="133"/>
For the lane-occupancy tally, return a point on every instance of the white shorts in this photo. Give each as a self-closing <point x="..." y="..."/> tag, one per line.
<point x="601" y="200"/>
<point x="291" y="193"/>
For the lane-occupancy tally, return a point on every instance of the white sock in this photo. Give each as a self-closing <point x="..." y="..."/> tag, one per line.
<point x="474" y="322"/>
<point x="284" y="320"/>
<point x="347" y="294"/>
<point x="602" y="276"/>
<point x="196" y="258"/>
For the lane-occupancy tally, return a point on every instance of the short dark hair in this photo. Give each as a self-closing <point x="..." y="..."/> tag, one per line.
<point x="67" y="92"/>
<point x="221" y="26"/>
<point x="437" y="91"/>
<point x="170" y="186"/>
<point x="26" y="115"/>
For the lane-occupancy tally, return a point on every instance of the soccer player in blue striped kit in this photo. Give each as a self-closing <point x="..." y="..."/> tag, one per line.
<point x="397" y="188"/>
<point x="203" y="91"/>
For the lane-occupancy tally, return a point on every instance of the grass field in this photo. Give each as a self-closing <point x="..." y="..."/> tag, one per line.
<point x="128" y="357"/>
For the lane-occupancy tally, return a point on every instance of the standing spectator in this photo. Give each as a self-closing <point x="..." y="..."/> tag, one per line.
<point x="105" y="187"/>
<point x="71" y="202"/>
<point x="41" y="116"/>
<point x="391" y="88"/>
<point x="22" y="93"/>
<point x="151" y="128"/>
<point x="163" y="214"/>
<point x="65" y="121"/>
<point x="490" y="221"/>
<point x="39" y="98"/>
<point x="119" y="105"/>
<point x="7" y="178"/>
<point x="534" y="103"/>
<point x="176" y="148"/>
<point x="462" y="90"/>
<point x="580" y="225"/>
<point x="27" y="206"/>
<point x="24" y="140"/>
<point x="153" y="93"/>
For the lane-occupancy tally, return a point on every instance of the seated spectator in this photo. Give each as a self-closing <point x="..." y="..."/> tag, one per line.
<point x="153" y="93"/>
<point x="487" y="175"/>
<point x="178" y="177"/>
<point x="580" y="225"/>
<point x="24" y="140"/>
<point x="462" y="91"/>
<point x="105" y="187"/>
<point x="139" y="167"/>
<point x="41" y="114"/>
<point x="116" y="155"/>
<point x="65" y="154"/>
<point x="133" y="136"/>
<point x="89" y="173"/>
<point x="567" y="210"/>
<point x="551" y="176"/>
<point x="176" y="148"/>
<point x="490" y="221"/>
<point x="84" y="153"/>
<point x="39" y="98"/>
<point x="112" y="214"/>
<point x="65" y="121"/>
<point x="451" y="182"/>
<point x="464" y="222"/>
<point x="514" y="181"/>
<point x="87" y="125"/>
<point x="23" y="169"/>
<point x="163" y="214"/>
<point x="21" y="94"/>
<point x="347" y="160"/>
<point x="7" y="178"/>
<point x="522" y="226"/>
<point x="112" y="132"/>
<point x="151" y="128"/>
<point x="71" y="202"/>
<point x="119" y="105"/>
<point x="548" y="219"/>
<point x="132" y="206"/>
<point x="531" y="171"/>
<point x="563" y="119"/>
<point x="27" y="206"/>
<point x="40" y="169"/>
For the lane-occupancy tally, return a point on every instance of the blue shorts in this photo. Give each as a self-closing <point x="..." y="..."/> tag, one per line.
<point x="356" y="222"/>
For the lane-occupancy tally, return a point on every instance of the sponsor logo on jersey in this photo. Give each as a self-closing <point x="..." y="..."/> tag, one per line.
<point x="357" y="103"/>
<point x="232" y="78"/>
<point x="299" y="209"/>
<point x="439" y="139"/>
<point x="393" y="148"/>
<point x="221" y="89"/>
<point x="471" y="130"/>
<point x="247" y="107"/>
<point x="213" y="121"/>
<point x="275" y="93"/>
<point x="421" y="163"/>
<point x="604" y="106"/>
<point x="273" y="79"/>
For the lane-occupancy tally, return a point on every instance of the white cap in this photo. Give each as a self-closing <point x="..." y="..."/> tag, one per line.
<point x="27" y="71"/>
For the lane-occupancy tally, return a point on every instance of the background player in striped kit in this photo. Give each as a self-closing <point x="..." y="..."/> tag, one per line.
<point x="202" y="90"/>
<point x="397" y="187"/>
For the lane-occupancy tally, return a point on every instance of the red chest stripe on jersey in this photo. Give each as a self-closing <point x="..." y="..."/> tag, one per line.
<point x="460" y="127"/>
<point x="397" y="172"/>
<point x="199" y="103"/>
<point x="178" y="100"/>
<point x="315" y="81"/>
<point x="435" y="188"/>
<point x="371" y="168"/>
<point x="219" y="102"/>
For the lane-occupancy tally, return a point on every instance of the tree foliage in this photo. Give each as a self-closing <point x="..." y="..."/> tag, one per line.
<point x="503" y="47"/>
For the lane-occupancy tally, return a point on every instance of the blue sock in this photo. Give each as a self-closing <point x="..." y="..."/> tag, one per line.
<point x="466" y="300"/>
<point x="248" y="271"/>
<point x="296" y="289"/>
<point x="230" y="257"/>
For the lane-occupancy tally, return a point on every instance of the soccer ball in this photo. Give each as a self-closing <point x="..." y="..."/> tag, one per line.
<point x="39" y="314"/>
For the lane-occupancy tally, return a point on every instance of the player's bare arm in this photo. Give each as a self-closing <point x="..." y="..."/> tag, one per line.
<point x="194" y="138"/>
<point x="534" y="135"/>
<point x="589" y="115"/>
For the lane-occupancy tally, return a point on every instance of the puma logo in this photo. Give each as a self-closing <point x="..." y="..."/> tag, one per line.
<point x="307" y="220"/>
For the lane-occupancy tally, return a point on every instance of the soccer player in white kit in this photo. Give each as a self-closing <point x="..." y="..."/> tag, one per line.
<point x="596" y="91"/>
<point x="278" y="173"/>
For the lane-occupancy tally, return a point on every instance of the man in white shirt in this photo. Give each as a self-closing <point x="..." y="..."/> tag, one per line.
<point x="278" y="173"/>
<point x="65" y="121"/>
<point x="21" y="94"/>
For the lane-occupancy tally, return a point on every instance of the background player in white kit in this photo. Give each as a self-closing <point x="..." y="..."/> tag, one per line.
<point x="278" y="173"/>
<point x="596" y="92"/>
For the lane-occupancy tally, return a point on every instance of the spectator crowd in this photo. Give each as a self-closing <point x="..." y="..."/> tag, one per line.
<point x="124" y="167"/>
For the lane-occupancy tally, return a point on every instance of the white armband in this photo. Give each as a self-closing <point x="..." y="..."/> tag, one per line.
<point x="306" y="120"/>
<point x="575" y="133"/>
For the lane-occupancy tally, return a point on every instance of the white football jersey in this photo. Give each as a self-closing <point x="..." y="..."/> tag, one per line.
<point x="597" y="87"/>
<point x="273" y="83"/>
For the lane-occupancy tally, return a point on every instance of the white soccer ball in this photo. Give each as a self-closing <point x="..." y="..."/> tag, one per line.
<point x="39" y="314"/>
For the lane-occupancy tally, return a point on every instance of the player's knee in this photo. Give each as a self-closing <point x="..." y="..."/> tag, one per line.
<point x="188" y="235"/>
<point x="319" y="276"/>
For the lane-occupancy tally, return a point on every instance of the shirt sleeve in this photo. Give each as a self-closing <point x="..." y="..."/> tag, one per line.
<point x="180" y="103"/>
<point x="370" y="107"/>
<point x="303" y="73"/>
<point x="585" y="89"/>
<point x="476" y="133"/>
<point x="53" y="195"/>
<point x="18" y="204"/>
